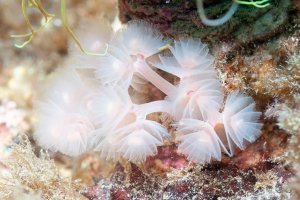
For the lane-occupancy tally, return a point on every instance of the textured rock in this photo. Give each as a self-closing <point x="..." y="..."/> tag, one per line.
<point x="194" y="182"/>
<point x="249" y="24"/>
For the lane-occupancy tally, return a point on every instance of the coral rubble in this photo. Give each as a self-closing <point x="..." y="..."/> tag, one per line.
<point x="25" y="173"/>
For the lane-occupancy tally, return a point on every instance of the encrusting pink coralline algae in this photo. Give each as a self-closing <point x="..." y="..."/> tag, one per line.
<point x="79" y="113"/>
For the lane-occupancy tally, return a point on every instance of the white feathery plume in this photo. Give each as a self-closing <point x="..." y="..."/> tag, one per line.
<point x="198" y="141"/>
<point x="134" y="138"/>
<point x="105" y="143"/>
<point x="62" y="126"/>
<point x="74" y="110"/>
<point x="137" y="41"/>
<point x="66" y="89"/>
<point x="119" y="68"/>
<point x="232" y="128"/>
<point x="116" y="106"/>
<point x="116" y="68"/>
<point x="140" y="139"/>
<point x="240" y="120"/>
<point x="106" y="105"/>
<point x="112" y="110"/>
<point x="190" y="58"/>
<point x="62" y="131"/>
<point x="139" y="38"/>
<point x="94" y="41"/>
<point x="196" y="99"/>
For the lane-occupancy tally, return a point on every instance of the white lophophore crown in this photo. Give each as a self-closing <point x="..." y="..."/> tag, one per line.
<point x="78" y="114"/>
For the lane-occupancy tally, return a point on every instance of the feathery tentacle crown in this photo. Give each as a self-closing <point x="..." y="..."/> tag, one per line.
<point x="77" y="115"/>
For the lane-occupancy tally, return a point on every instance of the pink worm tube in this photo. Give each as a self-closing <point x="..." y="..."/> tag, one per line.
<point x="149" y="74"/>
